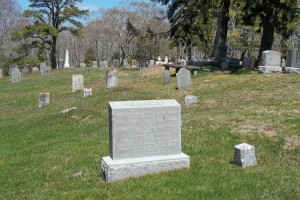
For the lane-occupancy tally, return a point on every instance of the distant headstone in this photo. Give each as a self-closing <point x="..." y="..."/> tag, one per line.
<point x="271" y="58"/>
<point x="35" y="69"/>
<point x="283" y="63"/>
<point x="45" y="70"/>
<point x="166" y="59"/>
<point x="125" y="63"/>
<point x="42" y="66"/>
<point x="133" y="63"/>
<point x="293" y="58"/>
<point x="190" y="100"/>
<point x="244" y="155"/>
<point x="67" y="64"/>
<point x="182" y="62"/>
<point x="60" y="64"/>
<point x="112" y="78"/>
<point x="137" y="148"/>
<point x="82" y="65"/>
<point x="43" y="99"/>
<point x="167" y="77"/>
<point x="151" y="63"/>
<point x="247" y="62"/>
<point x="184" y="79"/>
<point x="16" y="75"/>
<point x="77" y="82"/>
<point x="106" y="64"/>
<point x="116" y="63"/>
<point x="1" y="73"/>
<point x="87" y="92"/>
<point x="95" y="64"/>
<point x="26" y="69"/>
<point x="102" y="66"/>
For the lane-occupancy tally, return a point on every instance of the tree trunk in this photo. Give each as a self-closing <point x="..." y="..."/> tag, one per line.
<point x="219" y="50"/>
<point x="267" y="37"/>
<point x="53" y="53"/>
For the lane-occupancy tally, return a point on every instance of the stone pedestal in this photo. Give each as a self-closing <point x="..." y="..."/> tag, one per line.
<point x="244" y="155"/>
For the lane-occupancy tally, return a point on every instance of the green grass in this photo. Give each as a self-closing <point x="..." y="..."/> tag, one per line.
<point x="41" y="149"/>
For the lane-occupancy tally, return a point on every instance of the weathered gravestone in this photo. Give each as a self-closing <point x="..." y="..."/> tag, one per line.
<point x="293" y="62"/>
<point x="45" y="70"/>
<point x="16" y="75"/>
<point x="112" y="78"/>
<point x="244" y="155"/>
<point x="270" y="62"/>
<point x="82" y="65"/>
<point x="1" y="73"/>
<point x="102" y="66"/>
<point x="184" y="79"/>
<point x="106" y="64"/>
<point x="43" y="99"/>
<point x="133" y="63"/>
<point x="151" y="63"/>
<point x="87" y="92"/>
<point x="60" y="64"/>
<point x="116" y="62"/>
<point x="35" y="69"/>
<point x="182" y="62"/>
<point x="190" y="100"/>
<point x="137" y="148"/>
<point x="26" y="69"/>
<point x="247" y="62"/>
<point x="125" y="62"/>
<point x="167" y="77"/>
<point x="95" y="64"/>
<point x="77" y="82"/>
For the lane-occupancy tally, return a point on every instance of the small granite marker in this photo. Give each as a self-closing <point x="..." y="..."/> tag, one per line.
<point x="190" y="100"/>
<point x="43" y="99"/>
<point x="87" y="92"/>
<point x="244" y="155"/>
<point x="1" y="73"/>
<point x="77" y="82"/>
<point x="137" y="148"/>
<point x="167" y="77"/>
<point x="184" y="79"/>
<point x="112" y="78"/>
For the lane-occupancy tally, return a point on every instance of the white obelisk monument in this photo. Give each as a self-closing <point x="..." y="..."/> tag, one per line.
<point x="67" y="65"/>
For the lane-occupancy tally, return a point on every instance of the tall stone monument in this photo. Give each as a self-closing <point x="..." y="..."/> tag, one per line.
<point x="137" y="148"/>
<point x="67" y="64"/>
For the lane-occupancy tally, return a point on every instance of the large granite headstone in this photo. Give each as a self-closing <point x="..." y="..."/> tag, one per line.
<point x="102" y="66"/>
<point x="16" y="75"/>
<point x="77" y="82"/>
<point x="116" y="62"/>
<point x="137" y="148"/>
<point x="244" y="155"/>
<point x="167" y="77"/>
<point x="112" y="78"/>
<point x="270" y="62"/>
<point x="184" y="79"/>
<point x="43" y="99"/>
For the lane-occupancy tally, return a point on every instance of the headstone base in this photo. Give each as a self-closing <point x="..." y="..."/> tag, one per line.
<point x="292" y="70"/>
<point x="269" y="69"/>
<point x="116" y="170"/>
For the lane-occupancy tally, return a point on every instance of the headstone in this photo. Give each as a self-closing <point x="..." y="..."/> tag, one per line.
<point x="184" y="79"/>
<point x="35" y="69"/>
<point x="182" y="62"/>
<point x="82" y="65"/>
<point x="77" y="82"/>
<point x="112" y="78"/>
<point x="116" y="63"/>
<point x="102" y="66"/>
<point x="26" y="69"/>
<point x="244" y="155"/>
<point x="283" y="63"/>
<point x="247" y="62"/>
<point x="167" y="77"/>
<point x="270" y="58"/>
<point x="137" y="148"/>
<point x="166" y="59"/>
<point x="151" y="63"/>
<point x="190" y="100"/>
<point x="60" y="64"/>
<point x="225" y="65"/>
<point x="133" y="63"/>
<point x="67" y="64"/>
<point x="87" y="92"/>
<point x="106" y="64"/>
<point x="1" y="73"/>
<point x="293" y="58"/>
<point x="125" y="62"/>
<point x="45" y="70"/>
<point x="16" y="75"/>
<point x="43" y="99"/>
<point x="95" y="64"/>
<point x="42" y="66"/>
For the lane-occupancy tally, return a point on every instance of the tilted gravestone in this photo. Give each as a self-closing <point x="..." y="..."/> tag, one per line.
<point x="43" y="99"/>
<point x="102" y="66"/>
<point x="116" y="62"/>
<point x="137" y="148"/>
<point x="167" y="77"/>
<point x="112" y="78"/>
<point x="77" y="82"/>
<point x="270" y="62"/>
<point x="16" y="75"/>
<point x="87" y="92"/>
<point x="244" y="155"/>
<point x="95" y="64"/>
<point x="184" y="79"/>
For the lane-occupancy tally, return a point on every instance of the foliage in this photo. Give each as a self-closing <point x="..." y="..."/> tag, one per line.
<point x="5" y="62"/>
<point x="32" y="62"/>
<point x="89" y="57"/>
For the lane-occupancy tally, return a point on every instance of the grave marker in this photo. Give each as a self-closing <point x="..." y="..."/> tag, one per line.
<point x="95" y="64"/>
<point x="87" y="92"/>
<point x="102" y="66"/>
<point x="67" y="64"/>
<point x="137" y="148"/>
<point x="26" y="69"/>
<point x="112" y="78"/>
<point x="16" y="75"/>
<point x="244" y="155"/>
<point x="116" y="62"/>
<point x="43" y="99"/>
<point x="77" y="82"/>
<point x="167" y="77"/>
<point x="184" y="79"/>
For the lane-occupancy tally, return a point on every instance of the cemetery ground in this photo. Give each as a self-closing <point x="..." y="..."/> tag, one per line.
<point x="42" y="149"/>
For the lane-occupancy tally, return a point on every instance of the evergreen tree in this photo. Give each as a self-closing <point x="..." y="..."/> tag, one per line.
<point x="49" y="18"/>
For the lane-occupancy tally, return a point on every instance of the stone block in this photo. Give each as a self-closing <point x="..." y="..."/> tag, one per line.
<point x="271" y="58"/>
<point x="269" y="69"/>
<point x="244" y="155"/>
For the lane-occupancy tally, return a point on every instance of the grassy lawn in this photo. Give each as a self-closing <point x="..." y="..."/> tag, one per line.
<point x="41" y="148"/>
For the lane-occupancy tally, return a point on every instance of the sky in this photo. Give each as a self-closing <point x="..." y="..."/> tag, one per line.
<point x="92" y="5"/>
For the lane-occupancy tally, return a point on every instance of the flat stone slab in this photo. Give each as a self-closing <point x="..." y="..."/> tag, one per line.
<point x="269" y="69"/>
<point x="115" y="170"/>
<point x="292" y="70"/>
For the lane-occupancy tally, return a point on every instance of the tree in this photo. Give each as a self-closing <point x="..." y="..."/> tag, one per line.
<point x="274" y="16"/>
<point x="49" y="18"/>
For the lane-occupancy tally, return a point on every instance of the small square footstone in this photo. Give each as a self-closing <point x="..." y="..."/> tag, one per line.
<point x="43" y="99"/>
<point x="190" y="100"/>
<point x="137" y="148"/>
<point x="244" y="155"/>
<point x="87" y="92"/>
